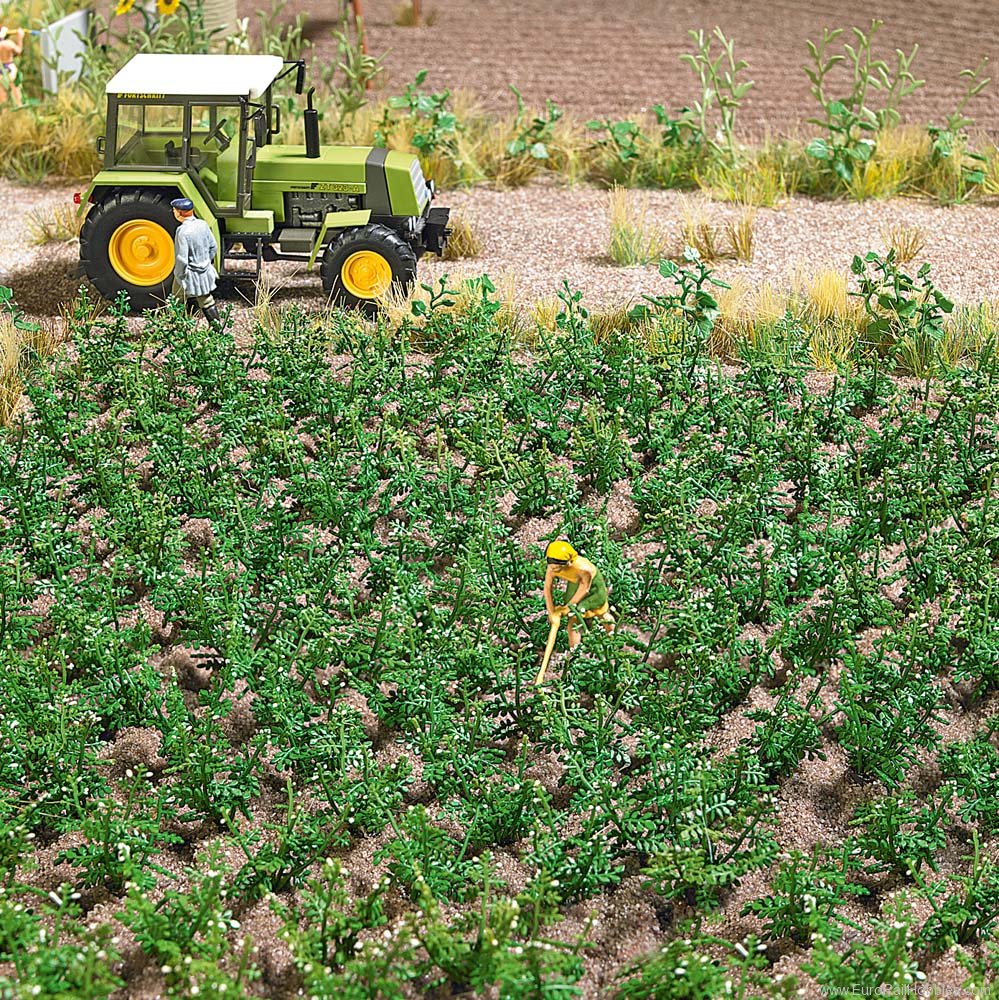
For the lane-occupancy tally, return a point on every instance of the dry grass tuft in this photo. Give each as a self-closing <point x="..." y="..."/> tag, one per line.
<point x="735" y="320"/>
<point x="833" y="345"/>
<point x="267" y="314"/>
<point x="906" y="241"/>
<point x="58" y="225"/>
<point x="825" y="294"/>
<point x="762" y="182"/>
<point x="740" y="233"/>
<point x="464" y="241"/>
<point x="544" y="311"/>
<point x="54" y="139"/>
<point x="11" y="385"/>
<point x="609" y="322"/>
<point x="18" y="350"/>
<point x="770" y="304"/>
<point x="632" y="240"/>
<point x="834" y="318"/>
<point x="968" y="332"/>
<point x="700" y="232"/>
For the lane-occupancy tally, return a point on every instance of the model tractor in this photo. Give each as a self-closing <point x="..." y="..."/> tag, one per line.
<point x="201" y="127"/>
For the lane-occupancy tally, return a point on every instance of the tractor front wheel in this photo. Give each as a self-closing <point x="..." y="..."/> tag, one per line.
<point x="363" y="264"/>
<point x="126" y="244"/>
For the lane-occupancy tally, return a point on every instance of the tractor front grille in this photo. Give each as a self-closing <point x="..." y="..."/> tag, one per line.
<point x="419" y="184"/>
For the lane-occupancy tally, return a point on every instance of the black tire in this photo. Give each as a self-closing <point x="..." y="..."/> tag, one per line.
<point x="101" y="223"/>
<point x="375" y="238"/>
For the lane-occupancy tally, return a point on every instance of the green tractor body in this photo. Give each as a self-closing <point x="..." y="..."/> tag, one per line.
<point x="201" y="127"/>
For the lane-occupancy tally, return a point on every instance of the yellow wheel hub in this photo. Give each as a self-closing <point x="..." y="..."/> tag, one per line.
<point x="141" y="252"/>
<point x="366" y="274"/>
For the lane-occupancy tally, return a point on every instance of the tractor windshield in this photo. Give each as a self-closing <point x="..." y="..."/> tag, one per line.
<point x="144" y="132"/>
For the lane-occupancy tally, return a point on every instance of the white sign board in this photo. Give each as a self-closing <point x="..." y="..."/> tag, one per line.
<point x="62" y="44"/>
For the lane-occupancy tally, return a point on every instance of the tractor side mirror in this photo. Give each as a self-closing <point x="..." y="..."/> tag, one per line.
<point x="300" y="77"/>
<point x="259" y="129"/>
<point x="101" y="145"/>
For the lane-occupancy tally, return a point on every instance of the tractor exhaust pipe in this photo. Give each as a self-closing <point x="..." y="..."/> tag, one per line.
<point x="311" y="129"/>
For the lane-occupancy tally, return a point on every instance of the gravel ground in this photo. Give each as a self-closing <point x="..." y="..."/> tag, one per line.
<point x="539" y="235"/>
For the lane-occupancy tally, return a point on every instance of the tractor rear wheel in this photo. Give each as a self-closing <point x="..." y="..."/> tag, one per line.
<point x="126" y="244"/>
<point x="363" y="264"/>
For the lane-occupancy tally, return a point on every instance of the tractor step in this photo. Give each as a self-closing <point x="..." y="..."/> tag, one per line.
<point x="251" y="248"/>
<point x="296" y="240"/>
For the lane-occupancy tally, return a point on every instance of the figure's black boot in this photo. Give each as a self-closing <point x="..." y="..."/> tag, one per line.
<point x="191" y="307"/>
<point x="213" y="317"/>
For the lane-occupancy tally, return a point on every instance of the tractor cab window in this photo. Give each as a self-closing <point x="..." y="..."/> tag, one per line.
<point x="148" y="134"/>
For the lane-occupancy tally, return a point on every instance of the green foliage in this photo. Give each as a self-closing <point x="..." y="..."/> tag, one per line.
<point x="622" y="138"/>
<point x="186" y="933"/>
<point x="902" y="837"/>
<point x="424" y="855"/>
<point x="685" y="131"/>
<point x="324" y="925"/>
<point x="692" y="302"/>
<point x="807" y="893"/>
<point x="533" y="138"/>
<point x="968" y="912"/>
<point x="886" y="963"/>
<point x="714" y="828"/>
<point x="121" y="841"/>
<point x="788" y="733"/>
<point x="294" y="571"/>
<point x="888" y="710"/>
<point x="10" y="308"/>
<point x="50" y="950"/>
<point x="433" y="126"/>
<point x="972" y="769"/>
<point x="851" y="122"/>
<point x="701" y="966"/>
<point x="349" y="94"/>
<point x="722" y="94"/>
<point x="950" y="140"/>
<point x="905" y="315"/>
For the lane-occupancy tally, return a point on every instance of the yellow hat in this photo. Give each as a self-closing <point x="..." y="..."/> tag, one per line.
<point x="560" y="551"/>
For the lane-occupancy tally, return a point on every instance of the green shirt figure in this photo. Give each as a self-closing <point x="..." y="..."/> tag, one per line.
<point x="585" y="587"/>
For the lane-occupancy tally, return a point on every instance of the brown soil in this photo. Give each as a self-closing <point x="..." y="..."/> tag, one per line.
<point x="593" y="58"/>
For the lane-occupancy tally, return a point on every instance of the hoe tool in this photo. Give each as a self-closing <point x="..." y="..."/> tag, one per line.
<point x="552" y="635"/>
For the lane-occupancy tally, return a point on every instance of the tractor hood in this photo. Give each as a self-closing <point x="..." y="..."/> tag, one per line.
<point x="391" y="182"/>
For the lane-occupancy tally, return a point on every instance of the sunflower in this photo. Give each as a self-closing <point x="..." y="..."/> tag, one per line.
<point x="167" y="7"/>
<point x="124" y="6"/>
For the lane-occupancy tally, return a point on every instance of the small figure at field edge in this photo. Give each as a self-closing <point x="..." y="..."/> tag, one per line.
<point x="194" y="274"/>
<point x="11" y="46"/>
<point x="585" y="588"/>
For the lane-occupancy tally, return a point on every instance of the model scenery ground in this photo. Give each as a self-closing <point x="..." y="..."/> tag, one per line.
<point x="596" y="59"/>
<point x="270" y="606"/>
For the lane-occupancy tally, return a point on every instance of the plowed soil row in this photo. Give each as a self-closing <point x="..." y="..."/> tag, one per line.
<point x="595" y="58"/>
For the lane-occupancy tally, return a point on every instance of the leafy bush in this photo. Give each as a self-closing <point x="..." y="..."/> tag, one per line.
<point x="851" y="123"/>
<point x="699" y="966"/>
<point x="806" y="897"/>
<point x="903" y="318"/>
<point x="972" y="770"/>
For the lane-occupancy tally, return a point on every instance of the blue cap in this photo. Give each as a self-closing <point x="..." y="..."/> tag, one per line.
<point x="182" y="204"/>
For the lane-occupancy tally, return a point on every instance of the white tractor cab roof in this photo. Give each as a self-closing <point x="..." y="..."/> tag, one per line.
<point x="166" y="75"/>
